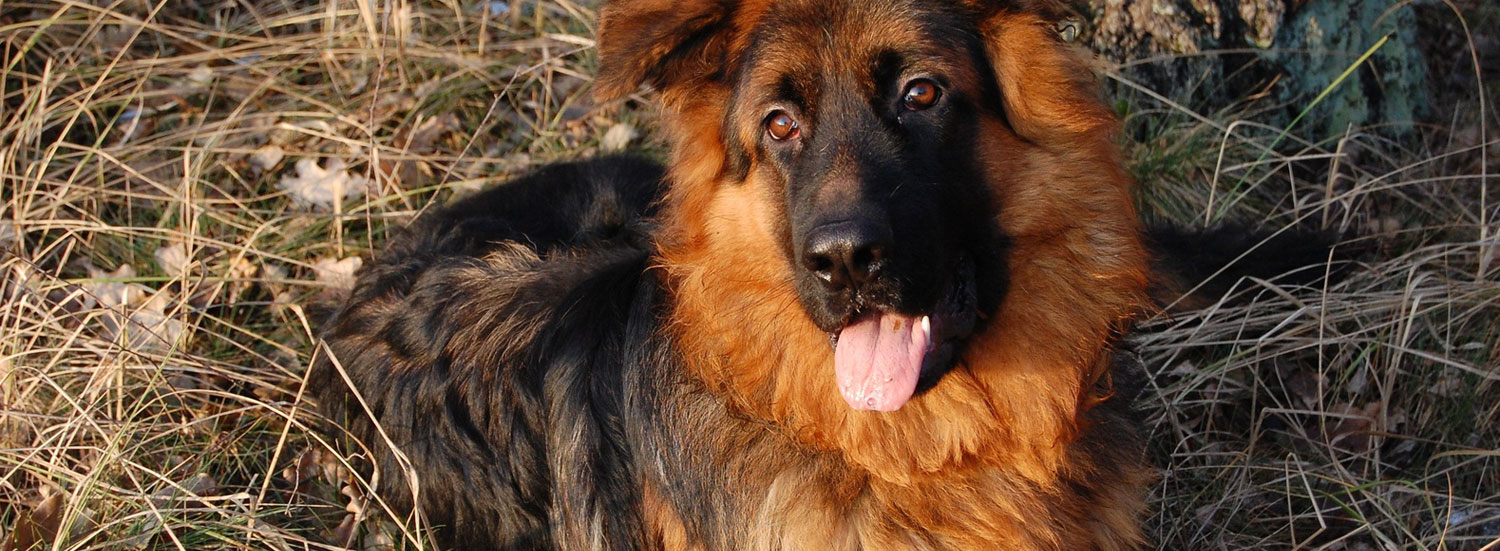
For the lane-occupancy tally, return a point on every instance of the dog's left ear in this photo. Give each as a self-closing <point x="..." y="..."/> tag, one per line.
<point x="1046" y="84"/>
<point x="661" y="42"/>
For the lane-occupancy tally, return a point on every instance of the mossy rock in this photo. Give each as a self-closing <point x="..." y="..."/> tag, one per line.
<point x="1270" y="59"/>
<point x="1323" y="39"/>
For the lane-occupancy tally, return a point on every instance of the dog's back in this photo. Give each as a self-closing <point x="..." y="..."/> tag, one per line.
<point x="485" y="341"/>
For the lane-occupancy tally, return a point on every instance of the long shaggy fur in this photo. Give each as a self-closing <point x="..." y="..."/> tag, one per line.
<point x="612" y="355"/>
<point x="487" y="341"/>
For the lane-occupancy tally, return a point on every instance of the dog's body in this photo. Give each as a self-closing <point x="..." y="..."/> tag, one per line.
<point x="876" y="309"/>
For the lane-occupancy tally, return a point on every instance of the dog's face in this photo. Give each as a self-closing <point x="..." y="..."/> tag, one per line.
<point x="863" y="117"/>
<point x="933" y="179"/>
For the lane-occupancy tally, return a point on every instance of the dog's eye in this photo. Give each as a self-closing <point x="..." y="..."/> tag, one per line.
<point x="781" y="126"/>
<point x="920" y="94"/>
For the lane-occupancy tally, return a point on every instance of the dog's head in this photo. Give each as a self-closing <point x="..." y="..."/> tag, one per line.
<point x="908" y="172"/>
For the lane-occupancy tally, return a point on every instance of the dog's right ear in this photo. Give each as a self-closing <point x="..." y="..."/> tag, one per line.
<point x="1046" y="85"/>
<point x="661" y="42"/>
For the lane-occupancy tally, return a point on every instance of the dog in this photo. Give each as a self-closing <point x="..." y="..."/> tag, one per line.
<point x="873" y="300"/>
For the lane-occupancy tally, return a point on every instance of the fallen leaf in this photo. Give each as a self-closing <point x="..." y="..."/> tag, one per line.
<point x="379" y="540"/>
<point x="320" y="187"/>
<point x="114" y="294"/>
<point x="337" y="273"/>
<point x="1350" y="427"/>
<point x="421" y="139"/>
<point x="241" y="273"/>
<point x="334" y="472"/>
<point x="146" y="329"/>
<point x="427" y="133"/>
<point x="347" y="530"/>
<point x="1395" y="419"/>
<point x="184" y="381"/>
<point x="197" y="80"/>
<point x="1302" y="386"/>
<point x="201" y="75"/>
<point x="356" y="505"/>
<point x="37" y="528"/>
<point x="115" y="37"/>
<point x="1185" y="369"/>
<point x="516" y="162"/>
<point x="273" y="278"/>
<point x="343" y="535"/>
<point x="270" y="537"/>
<point x="134" y="315"/>
<point x="1358" y="381"/>
<point x="283" y="301"/>
<point x="172" y="258"/>
<point x="200" y="485"/>
<point x="273" y="393"/>
<point x="135" y="120"/>
<point x="305" y="467"/>
<point x="1384" y="226"/>
<point x="266" y="157"/>
<point x="618" y="137"/>
<point x="1448" y="385"/>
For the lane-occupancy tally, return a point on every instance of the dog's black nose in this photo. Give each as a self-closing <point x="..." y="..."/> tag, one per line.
<point x="846" y="254"/>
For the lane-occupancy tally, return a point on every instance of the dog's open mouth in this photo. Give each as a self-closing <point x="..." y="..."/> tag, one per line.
<point x="882" y="358"/>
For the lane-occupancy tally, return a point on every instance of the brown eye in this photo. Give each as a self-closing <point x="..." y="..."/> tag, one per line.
<point x="781" y="126"/>
<point x="920" y="94"/>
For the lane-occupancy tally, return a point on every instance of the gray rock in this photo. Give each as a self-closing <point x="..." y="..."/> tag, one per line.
<point x="1212" y="55"/>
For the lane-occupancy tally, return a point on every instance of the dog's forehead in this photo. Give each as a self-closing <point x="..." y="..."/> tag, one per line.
<point x="839" y="23"/>
<point x="823" y="36"/>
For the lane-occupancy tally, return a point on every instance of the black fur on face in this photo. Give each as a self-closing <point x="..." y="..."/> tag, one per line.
<point x="885" y="206"/>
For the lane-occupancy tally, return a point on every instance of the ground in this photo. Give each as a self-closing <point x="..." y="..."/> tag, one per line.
<point x="181" y="180"/>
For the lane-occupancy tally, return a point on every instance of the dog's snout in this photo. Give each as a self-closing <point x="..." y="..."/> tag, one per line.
<point x="847" y="254"/>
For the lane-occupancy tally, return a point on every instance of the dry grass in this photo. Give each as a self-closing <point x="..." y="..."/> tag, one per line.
<point x="159" y="405"/>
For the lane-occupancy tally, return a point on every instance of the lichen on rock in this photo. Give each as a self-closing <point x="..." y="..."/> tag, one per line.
<point x="1212" y="54"/>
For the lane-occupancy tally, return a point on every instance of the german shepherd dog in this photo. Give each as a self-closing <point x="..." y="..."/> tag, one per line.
<point x="871" y="302"/>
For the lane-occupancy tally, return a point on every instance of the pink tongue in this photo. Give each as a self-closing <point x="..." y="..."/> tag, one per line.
<point x="878" y="358"/>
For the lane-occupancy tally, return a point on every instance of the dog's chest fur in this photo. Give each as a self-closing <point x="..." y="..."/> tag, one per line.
<point x="765" y="491"/>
